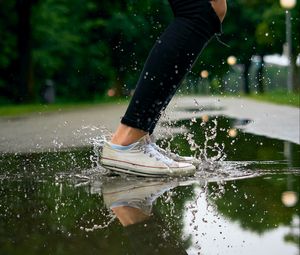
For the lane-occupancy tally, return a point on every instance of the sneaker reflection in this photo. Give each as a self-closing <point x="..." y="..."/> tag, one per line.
<point x="131" y="201"/>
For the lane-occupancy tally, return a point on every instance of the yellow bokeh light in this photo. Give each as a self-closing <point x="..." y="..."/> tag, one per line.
<point x="204" y="74"/>
<point x="231" y="60"/>
<point x="288" y="4"/>
<point x="111" y="92"/>
<point x="232" y="132"/>
<point x="289" y="198"/>
<point x="205" y="118"/>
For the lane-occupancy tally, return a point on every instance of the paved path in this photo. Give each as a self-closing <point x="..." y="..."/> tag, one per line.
<point x="73" y="128"/>
<point x="70" y="128"/>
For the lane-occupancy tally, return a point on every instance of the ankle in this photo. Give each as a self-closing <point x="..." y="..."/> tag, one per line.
<point x="124" y="141"/>
<point x="126" y="135"/>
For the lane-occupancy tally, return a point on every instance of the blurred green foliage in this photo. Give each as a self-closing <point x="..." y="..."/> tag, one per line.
<point x="250" y="28"/>
<point x="87" y="47"/>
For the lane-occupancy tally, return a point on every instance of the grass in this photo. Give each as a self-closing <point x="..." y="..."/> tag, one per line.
<point x="25" y="109"/>
<point x="279" y="97"/>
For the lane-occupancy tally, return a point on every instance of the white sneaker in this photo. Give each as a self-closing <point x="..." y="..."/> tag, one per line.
<point x="172" y="155"/>
<point x="142" y="159"/>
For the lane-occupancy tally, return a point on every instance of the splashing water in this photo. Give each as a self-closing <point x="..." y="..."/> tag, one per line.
<point x="100" y="226"/>
<point x="97" y="143"/>
<point x="210" y="153"/>
<point x="211" y="146"/>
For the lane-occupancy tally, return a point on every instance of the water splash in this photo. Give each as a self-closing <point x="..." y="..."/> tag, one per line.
<point x="210" y="145"/>
<point x="97" y="143"/>
<point x="100" y="226"/>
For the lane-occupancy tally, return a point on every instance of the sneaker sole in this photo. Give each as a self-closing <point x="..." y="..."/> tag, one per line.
<point x="143" y="174"/>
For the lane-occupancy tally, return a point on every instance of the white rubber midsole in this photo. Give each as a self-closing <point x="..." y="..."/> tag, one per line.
<point x="129" y="168"/>
<point x="132" y="172"/>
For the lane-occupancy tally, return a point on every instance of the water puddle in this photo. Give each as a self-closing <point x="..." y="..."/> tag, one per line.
<point x="244" y="199"/>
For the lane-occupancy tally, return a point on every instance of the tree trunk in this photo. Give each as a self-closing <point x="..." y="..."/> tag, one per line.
<point x="24" y="91"/>
<point x="247" y="66"/>
<point x="260" y="76"/>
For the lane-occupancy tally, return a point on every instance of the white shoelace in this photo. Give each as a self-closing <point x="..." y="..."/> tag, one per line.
<point x="153" y="152"/>
<point x="164" y="152"/>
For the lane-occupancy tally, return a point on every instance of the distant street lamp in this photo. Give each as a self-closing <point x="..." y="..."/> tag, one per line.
<point x="231" y="60"/>
<point x="204" y="74"/>
<point x="289" y="198"/>
<point x="288" y="5"/>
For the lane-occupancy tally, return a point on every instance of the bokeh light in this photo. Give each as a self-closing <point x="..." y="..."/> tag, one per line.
<point x="289" y="198"/>
<point x="205" y="118"/>
<point x="204" y="74"/>
<point x="111" y="92"/>
<point x="231" y="60"/>
<point x="287" y="4"/>
<point x="232" y="132"/>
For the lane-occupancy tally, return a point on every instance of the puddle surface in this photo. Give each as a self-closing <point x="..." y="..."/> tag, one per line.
<point x="244" y="203"/>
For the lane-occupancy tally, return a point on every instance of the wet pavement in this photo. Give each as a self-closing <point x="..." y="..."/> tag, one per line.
<point x="244" y="198"/>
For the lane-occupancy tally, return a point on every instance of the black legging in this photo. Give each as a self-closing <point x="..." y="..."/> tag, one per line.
<point x="171" y="57"/>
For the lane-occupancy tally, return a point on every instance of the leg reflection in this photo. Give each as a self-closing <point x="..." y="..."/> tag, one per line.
<point x="129" y="215"/>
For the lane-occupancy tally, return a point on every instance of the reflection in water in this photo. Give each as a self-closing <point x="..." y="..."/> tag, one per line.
<point x="289" y="198"/>
<point x="55" y="203"/>
<point x="132" y="200"/>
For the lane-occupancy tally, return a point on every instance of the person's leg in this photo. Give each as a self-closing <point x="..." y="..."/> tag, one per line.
<point x="170" y="59"/>
<point x="220" y="8"/>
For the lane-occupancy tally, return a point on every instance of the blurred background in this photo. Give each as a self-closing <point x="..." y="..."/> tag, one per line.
<point x="58" y="51"/>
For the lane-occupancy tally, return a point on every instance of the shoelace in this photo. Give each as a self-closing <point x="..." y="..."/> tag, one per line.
<point x="164" y="152"/>
<point x="152" y="152"/>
